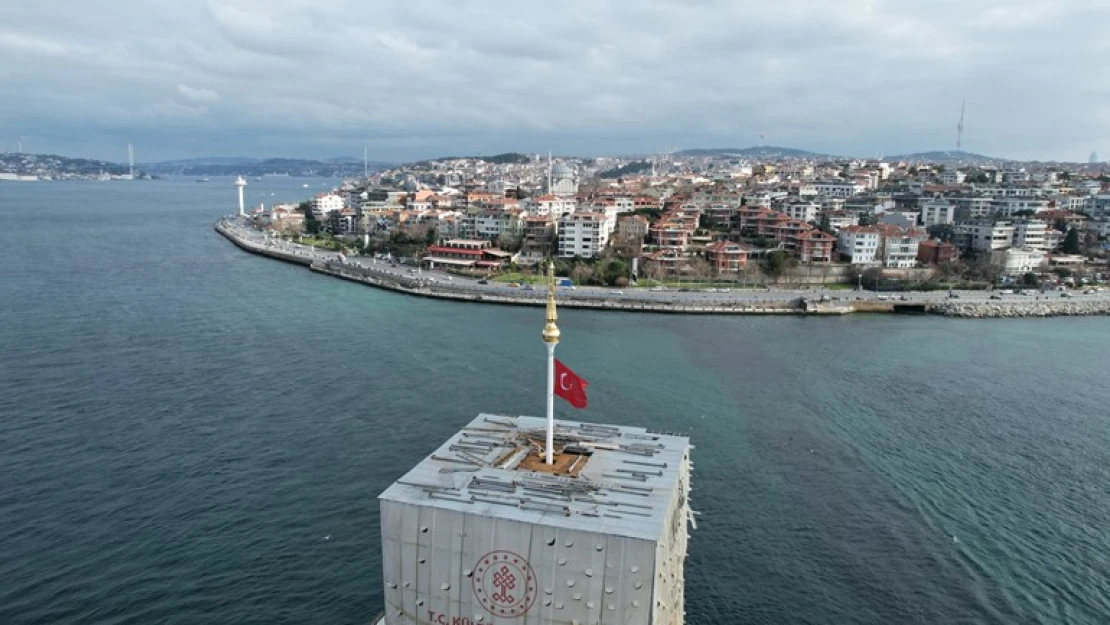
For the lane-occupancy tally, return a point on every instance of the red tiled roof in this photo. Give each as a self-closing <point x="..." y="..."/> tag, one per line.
<point x="435" y="249"/>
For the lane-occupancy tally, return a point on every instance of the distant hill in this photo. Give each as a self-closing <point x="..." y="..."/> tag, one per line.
<point x="344" y="167"/>
<point x="762" y="151"/>
<point x="635" y="167"/>
<point x="56" y="166"/>
<point x="946" y="157"/>
<point x="497" y="159"/>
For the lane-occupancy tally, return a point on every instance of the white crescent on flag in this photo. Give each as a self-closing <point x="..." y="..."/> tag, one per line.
<point x="562" y="382"/>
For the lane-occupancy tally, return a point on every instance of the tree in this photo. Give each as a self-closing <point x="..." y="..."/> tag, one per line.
<point x="825" y="223"/>
<point x="950" y="270"/>
<point x="1071" y="242"/>
<point x="626" y="246"/>
<point x="775" y="264"/>
<point x="311" y="226"/>
<point x="509" y="242"/>
<point x="430" y="236"/>
<point x="697" y="268"/>
<point x="1030" y="279"/>
<point x="866" y="219"/>
<point x="582" y="273"/>
<point x="872" y="276"/>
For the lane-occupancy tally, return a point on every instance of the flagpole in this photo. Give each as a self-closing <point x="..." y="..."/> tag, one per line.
<point x="551" y="339"/>
<point x="550" y="459"/>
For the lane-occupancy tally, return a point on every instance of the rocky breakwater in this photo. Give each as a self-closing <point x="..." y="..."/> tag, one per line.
<point x="1022" y="308"/>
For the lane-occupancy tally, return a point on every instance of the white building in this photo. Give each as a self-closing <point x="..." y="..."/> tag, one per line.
<point x="860" y="244"/>
<point x="986" y="236"/>
<point x="483" y="532"/>
<point x="1070" y="203"/>
<point x="974" y="207"/>
<point x="326" y="203"/>
<point x="801" y="210"/>
<point x="834" y="188"/>
<point x="1016" y="261"/>
<point x="1009" y="206"/>
<point x="841" y="219"/>
<point x="550" y="206"/>
<point x="1101" y="227"/>
<point x="937" y="212"/>
<point x="492" y="224"/>
<point x="583" y="234"/>
<point x="900" y="247"/>
<point x="1099" y="205"/>
<point x="952" y="177"/>
<point x="1031" y="234"/>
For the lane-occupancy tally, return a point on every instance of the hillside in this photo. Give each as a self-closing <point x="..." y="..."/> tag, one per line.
<point x="331" y="168"/>
<point x="497" y="159"/>
<point x="762" y="151"/>
<point x="56" y="166"/>
<point x="946" y="157"/>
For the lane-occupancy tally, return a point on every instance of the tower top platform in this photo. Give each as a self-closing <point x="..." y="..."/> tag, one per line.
<point x="607" y="479"/>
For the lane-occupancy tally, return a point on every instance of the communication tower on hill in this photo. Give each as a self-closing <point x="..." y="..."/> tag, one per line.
<point x="960" y="128"/>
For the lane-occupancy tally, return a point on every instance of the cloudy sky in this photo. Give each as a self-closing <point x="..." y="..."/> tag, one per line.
<point x="417" y="78"/>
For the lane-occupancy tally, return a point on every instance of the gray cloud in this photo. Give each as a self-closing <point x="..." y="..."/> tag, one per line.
<point x="426" y="77"/>
<point x="197" y="94"/>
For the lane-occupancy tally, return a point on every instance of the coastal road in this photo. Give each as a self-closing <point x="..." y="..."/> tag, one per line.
<point x="693" y="296"/>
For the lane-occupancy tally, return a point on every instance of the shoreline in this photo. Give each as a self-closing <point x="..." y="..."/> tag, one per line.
<point x="328" y="263"/>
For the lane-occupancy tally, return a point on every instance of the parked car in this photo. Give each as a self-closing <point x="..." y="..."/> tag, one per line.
<point x="617" y="292"/>
<point x="995" y="296"/>
<point x="514" y="284"/>
<point x="528" y="287"/>
<point x="483" y="281"/>
<point x="1065" y="294"/>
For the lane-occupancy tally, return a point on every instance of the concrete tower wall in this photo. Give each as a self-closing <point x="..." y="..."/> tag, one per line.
<point x="435" y="577"/>
<point x="670" y="553"/>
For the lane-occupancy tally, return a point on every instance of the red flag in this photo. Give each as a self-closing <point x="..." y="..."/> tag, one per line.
<point x="569" y="386"/>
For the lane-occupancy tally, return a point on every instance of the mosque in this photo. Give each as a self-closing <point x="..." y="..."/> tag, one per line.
<point x="562" y="181"/>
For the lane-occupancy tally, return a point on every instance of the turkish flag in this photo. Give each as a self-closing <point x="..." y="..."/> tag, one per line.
<point x="569" y="386"/>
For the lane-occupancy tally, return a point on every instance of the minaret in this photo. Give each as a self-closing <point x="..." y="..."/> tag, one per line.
<point x="239" y="182"/>
<point x="551" y="339"/>
<point x="550" y="165"/>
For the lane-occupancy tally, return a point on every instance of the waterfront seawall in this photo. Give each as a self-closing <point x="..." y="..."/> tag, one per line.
<point x="328" y="263"/>
<point x="1064" y="307"/>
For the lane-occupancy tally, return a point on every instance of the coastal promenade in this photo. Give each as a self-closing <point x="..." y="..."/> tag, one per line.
<point x="435" y="284"/>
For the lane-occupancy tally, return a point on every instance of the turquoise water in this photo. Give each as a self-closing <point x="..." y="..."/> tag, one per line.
<point x="189" y="434"/>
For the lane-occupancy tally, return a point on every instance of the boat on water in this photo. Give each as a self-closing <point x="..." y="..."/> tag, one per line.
<point x="202" y="180"/>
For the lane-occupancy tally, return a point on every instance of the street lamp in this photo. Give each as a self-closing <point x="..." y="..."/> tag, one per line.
<point x="859" y="285"/>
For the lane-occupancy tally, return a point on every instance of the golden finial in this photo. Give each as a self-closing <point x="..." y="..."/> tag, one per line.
<point x="551" y="331"/>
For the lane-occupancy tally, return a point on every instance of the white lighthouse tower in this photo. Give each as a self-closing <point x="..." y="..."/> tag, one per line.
<point x="239" y="182"/>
